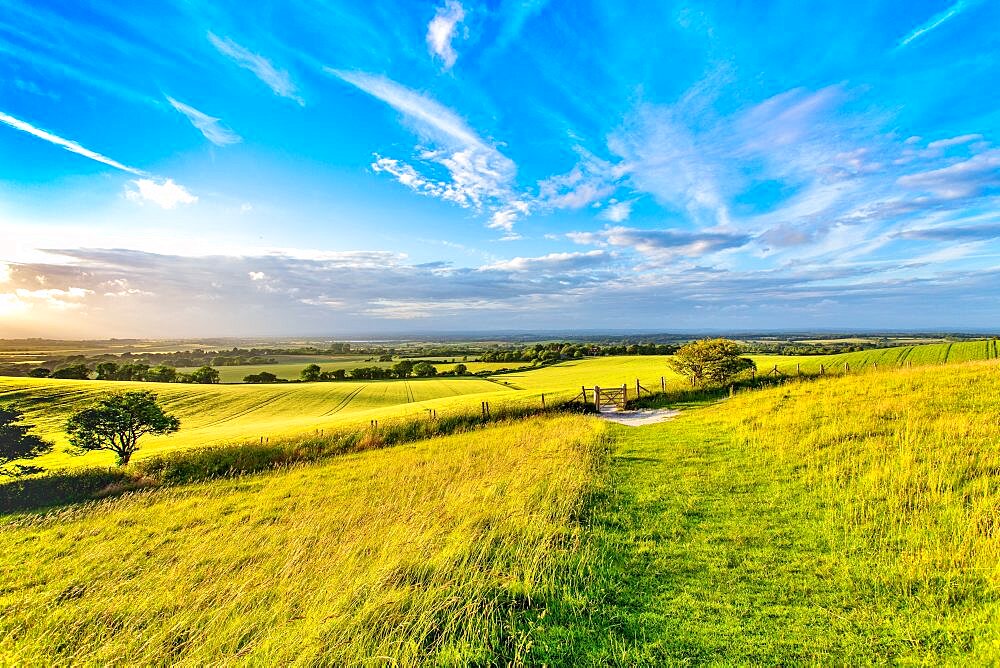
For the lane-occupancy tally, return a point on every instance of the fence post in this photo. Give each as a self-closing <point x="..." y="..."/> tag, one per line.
<point x="543" y="400"/>
<point x="847" y="367"/>
<point x="637" y="386"/>
<point x="822" y="370"/>
<point x="798" y="369"/>
<point x="597" y="398"/>
<point x="663" y="385"/>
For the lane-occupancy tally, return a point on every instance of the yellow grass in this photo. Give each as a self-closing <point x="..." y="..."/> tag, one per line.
<point x="381" y="558"/>
<point x="225" y="414"/>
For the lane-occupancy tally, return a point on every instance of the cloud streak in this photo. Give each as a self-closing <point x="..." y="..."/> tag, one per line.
<point x="67" y="144"/>
<point x="277" y="80"/>
<point x="935" y="21"/>
<point x="209" y="126"/>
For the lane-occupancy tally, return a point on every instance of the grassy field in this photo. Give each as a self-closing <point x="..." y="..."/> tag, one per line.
<point x="217" y="414"/>
<point x="846" y="521"/>
<point x="419" y="554"/>
<point x="212" y="415"/>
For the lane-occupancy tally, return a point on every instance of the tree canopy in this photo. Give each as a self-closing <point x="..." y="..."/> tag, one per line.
<point x="711" y="361"/>
<point x="117" y="422"/>
<point x="16" y="443"/>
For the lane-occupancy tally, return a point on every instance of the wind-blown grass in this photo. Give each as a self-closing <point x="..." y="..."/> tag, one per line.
<point x="427" y="553"/>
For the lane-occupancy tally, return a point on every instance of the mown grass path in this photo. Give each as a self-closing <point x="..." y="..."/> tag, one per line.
<point x="698" y="552"/>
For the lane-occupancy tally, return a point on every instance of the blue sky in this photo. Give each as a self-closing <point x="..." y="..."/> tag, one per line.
<point x="337" y="167"/>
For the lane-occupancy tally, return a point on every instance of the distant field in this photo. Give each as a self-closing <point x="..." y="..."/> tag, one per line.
<point x="212" y="415"/>
<point x="215" y="414"/>
<point x="290" y="370"/>
<point x="935" y="353"/>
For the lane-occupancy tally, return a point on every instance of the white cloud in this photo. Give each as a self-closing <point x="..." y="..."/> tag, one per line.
<point x="953" y="141"/>
<point x="257" y="275"/>
<point x="441" y="31"/>
<point x="936" y="21"/>
<point x="617" y="212"/>
<point x="479" y="175"/>
<point x="963" y="179"/>
<point x="209" y="126"/>
<point x="165" y="194"/>
<point x="277" y="80"/>
<point x="54" y="298"/>
<point x="70" y="146"/>
<point x="551" y="262"/>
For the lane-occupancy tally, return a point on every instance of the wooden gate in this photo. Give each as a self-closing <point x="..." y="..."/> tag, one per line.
<point x="610" y="398"/>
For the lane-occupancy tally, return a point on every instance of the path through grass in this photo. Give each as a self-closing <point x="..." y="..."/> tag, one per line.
<point x="842" y="522"/>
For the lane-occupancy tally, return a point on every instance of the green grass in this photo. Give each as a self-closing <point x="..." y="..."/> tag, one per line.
<point x="847" y="521"/>
<point x="423" y="554"/>
<point x="850" y="520"/>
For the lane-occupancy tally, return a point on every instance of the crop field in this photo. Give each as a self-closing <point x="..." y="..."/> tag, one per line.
<point x="421" y="553"/>
<point x="217" y="414"/>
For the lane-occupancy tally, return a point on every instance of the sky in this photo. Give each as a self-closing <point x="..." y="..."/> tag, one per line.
<point x="327" y="168"/>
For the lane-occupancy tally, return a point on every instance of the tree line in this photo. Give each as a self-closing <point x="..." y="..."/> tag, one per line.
<point x="557" y="351"/>
<point x="205" y="375"/>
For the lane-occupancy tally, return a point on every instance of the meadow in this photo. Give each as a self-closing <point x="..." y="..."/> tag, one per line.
<point x="849" y="519"/>
<point x="226" y="414"/>
<point x="424" y="553"/>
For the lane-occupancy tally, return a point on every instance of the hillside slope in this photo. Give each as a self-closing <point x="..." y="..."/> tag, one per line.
<point x="226" y="414"/>
<point x="422" y="553"/>
<point x="848" y="521"/>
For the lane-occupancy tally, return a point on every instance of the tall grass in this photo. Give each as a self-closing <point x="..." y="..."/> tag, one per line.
<point x="194" y="465"/>
<point x="907" y="464"/>
<point x="422" y="554"/>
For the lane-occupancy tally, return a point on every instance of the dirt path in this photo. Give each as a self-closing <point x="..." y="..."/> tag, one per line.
<point x="639" y="418"/>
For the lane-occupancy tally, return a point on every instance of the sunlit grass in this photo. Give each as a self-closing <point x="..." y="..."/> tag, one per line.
<point x="421" y="553"/>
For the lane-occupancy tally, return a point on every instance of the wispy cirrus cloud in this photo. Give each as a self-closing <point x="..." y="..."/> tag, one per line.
<point x="162" y="192"/>
<point x="277" y="80"/>
<point x="442" y="30"/>
<point x="67" y="144"/>
<point x="935" y="21"/>
<point x="211" y="127"/>
<point x="479" y="176"/>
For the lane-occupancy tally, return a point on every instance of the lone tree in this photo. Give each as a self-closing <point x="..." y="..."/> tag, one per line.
<point x="16" y="443"/>
<point x="710" y="361"/>
<point x="311" y="373"/>
<point x="117" y="422"/>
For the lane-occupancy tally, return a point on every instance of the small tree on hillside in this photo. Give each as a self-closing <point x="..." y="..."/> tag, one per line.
<point x="311" y="373"/>
<point x="710" y="361"/>
<point x="117" y="422"/>
<point x="461" y="369"/>
<point x="16" y="443"/>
